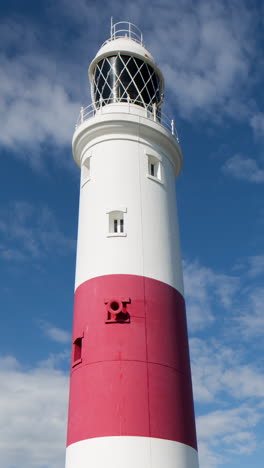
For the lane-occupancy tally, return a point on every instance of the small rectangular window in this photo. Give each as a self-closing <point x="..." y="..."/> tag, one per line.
<point x="85" y="171"/>
<point x="121" y="225"/>
<point x="77" y="351"/>
<point x="154" y="167"/>
<point x="116" y="223"/>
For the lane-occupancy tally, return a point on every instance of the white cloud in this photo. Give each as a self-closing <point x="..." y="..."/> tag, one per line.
<point x="220" y="371"/>
<point x="246" y="315"/>
<point x="251" y="320"/>
<point x="243" y="381"/>
<point x="223" y="422"/>
<point x="31" y="232"/>
<point x="203" y="288"/>
<point x="244" y="168"/>
<point x="223" y="376"/>
<point x="224" y="431"/>
<point x="33" y="407"/>
<point x="256" y="265"/>
<point x="257" y="123"/>
<point x="205" y="54"/>
<point x="36" y="103"/>
<point x="209" y="458"/>
<point x="206" y="370"/>
<point x="55" y="333"/>
<point x="241" y="442"/>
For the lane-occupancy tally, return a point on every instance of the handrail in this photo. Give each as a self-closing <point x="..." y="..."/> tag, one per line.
<point x="133" y="107"/>
<point x="125" y="29"/>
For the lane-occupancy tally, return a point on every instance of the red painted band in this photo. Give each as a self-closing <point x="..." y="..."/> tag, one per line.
<point x="134" y="374"/>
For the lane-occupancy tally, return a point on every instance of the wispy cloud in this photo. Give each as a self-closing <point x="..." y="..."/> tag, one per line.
<point x="224" y="376"/>
<point x="56" y="334"/>
<point x="218" y="423"/>
<point x="203" y="288"/>
<point x="209" y="60"/>
<point x="243" y="168"/>
<point x="226" y="431"/>
<point x="256" y="265"/>
<point x="257" y="123"/>
<point x="224" y="380"/>
<point x="33" y="406"/>
<point x="209" y="458"/>
<point x="220" y="371"/>
<point x="34" y="403"/>
<point x="31" y="232"/>
<point x="205" y="54"/>
<point x="251" y="319"/>
<point x="37" y="106"/>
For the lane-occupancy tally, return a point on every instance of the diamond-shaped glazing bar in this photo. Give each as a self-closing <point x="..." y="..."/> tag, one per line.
<point x="121" y="77"/>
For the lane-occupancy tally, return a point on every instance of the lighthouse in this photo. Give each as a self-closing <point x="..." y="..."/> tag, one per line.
<point x="131" y="401"/>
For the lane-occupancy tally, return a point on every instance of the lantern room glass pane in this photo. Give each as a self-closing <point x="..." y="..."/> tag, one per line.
<point x="121" y="78"/>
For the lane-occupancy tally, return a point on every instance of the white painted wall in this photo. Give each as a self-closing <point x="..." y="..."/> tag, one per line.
<point x="119" y="181"/>
<point x="130" y="452"/>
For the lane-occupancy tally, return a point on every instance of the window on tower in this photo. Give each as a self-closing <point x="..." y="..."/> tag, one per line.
<point x="77" y="351"/>
<point x="154" y="168"/>
<point x="116" y="223"/>
<point x="86" y="171"/>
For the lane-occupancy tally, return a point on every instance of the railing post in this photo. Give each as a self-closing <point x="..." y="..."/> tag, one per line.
<point x="128" y="100"/>
<point x="82" y="112"/>
<point x="101" y="105"/>
<point x="172" y="127"/>
<point x="154" y="112"/>
<point x="111" y="32"/>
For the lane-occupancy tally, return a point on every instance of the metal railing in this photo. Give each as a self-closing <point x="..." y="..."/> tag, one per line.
<point x="103" y="106"/>
<point x="125" y="29"/>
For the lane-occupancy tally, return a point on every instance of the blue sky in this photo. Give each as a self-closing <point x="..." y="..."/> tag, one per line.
<point x="211" y="54"/>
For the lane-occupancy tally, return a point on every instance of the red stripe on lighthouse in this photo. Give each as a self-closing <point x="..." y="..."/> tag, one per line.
<point x="133" y="377"/>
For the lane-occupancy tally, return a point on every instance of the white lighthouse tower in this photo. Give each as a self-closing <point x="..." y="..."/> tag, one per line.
<point x="131" y="402"/>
